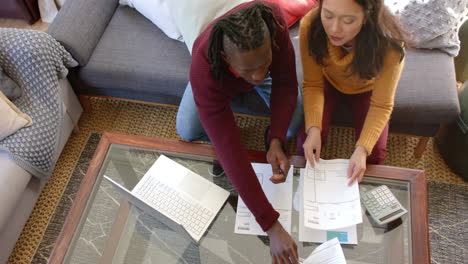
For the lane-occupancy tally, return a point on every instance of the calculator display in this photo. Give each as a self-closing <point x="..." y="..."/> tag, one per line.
<point x="390" y="215"/>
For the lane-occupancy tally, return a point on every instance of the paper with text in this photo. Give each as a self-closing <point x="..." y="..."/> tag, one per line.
<point x="328" y="202"/>
<point x="279" y="195"/>
<point x="345" y="235"/>
<point x="329" y="252"/>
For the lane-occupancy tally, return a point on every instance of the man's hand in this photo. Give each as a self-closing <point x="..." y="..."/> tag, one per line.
<point x="278" y="160"/>
<point x="313" y="145"/>
<point x="283" y="249"/>
<point x="357" y="165"/>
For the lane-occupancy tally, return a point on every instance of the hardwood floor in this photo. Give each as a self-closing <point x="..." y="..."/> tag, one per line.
<point x="19" y="23"/>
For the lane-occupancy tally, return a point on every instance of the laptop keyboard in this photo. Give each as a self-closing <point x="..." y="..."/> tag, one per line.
<point x="175" y="205"/>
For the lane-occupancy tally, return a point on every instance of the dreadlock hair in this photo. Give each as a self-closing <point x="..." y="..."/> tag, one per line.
<point x="380" y="31"/>
<point x="246" y="29"/>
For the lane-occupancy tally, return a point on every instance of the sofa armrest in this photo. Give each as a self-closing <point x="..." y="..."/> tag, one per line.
<point x="80" y="24"/>
<point x="13" y="182"/>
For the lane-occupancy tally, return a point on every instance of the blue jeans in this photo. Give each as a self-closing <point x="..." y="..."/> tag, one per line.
<point x="189" y="126"/>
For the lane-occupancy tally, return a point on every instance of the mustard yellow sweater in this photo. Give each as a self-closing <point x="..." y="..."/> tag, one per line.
<point x="383" y="86"/>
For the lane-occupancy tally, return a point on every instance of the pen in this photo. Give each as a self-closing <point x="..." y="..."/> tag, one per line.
<point x="281" y="171"/>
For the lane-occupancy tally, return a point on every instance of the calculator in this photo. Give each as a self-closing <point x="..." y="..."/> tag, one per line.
<point x="382" y="205"/>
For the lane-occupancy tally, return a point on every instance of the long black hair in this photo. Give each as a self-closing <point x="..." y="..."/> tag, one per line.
<point x="380" y="31"/>
<point x="245" y="28"/>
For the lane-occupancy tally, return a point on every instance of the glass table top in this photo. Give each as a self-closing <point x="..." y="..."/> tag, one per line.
<point x="143" y="239"/>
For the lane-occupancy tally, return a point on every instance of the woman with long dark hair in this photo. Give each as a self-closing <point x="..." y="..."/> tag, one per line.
<point x="352" y="51"/>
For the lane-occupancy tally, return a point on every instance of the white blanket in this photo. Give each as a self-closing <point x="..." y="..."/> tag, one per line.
<point x="49" y="9"/>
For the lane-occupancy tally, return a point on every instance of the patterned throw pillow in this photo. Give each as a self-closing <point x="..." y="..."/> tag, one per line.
<point x="12" y="118"/>
<point x="433" y="24"/>
<point x="8" y="86"/>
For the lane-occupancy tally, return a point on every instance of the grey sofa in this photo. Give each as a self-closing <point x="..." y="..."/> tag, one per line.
<point x="19" y="190"/>
<point x="123" y="55"/>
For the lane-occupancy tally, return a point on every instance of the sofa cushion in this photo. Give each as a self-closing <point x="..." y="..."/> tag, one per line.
<point x="134" y="59"/>
<point x="79" y="26"/>
<point x="427" y="91"/>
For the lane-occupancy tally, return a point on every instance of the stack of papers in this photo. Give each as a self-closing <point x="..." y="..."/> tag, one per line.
<point x="329" y="252"/>
<point x="328" y="201"/>
<point x="279" y="195"/>
<point x="329" y="208"/>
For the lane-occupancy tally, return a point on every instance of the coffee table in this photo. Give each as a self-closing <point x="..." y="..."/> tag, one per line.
<point x="102" y="228"/>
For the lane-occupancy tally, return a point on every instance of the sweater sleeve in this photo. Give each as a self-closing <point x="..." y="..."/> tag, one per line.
<point x="284" y="87"/>
<point x="313" y="79"/>
<point x="218" y="120"/>
<point x="382" y="100"/>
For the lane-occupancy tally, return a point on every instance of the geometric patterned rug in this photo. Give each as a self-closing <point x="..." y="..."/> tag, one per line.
<point x="448" y="222"/>
<point x="448" y="193"/>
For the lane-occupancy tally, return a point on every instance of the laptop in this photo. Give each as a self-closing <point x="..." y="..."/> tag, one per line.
<point x="183" y="200"/>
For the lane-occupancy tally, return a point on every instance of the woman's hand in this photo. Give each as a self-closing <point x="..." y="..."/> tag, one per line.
<point x="313" y="145"/>
<point x="357" y="165"/>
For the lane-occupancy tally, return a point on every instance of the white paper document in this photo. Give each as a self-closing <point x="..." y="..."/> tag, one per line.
<point x="329" y="252"/>
<point x="279" y="195"/>
<point x="328" y="202"/>
<point x="345" y="235"/>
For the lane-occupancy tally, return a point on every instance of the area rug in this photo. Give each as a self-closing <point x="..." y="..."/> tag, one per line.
<point x="448" y="222"/>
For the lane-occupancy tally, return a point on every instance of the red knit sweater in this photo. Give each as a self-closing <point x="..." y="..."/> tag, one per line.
<point x="213" y="102"/>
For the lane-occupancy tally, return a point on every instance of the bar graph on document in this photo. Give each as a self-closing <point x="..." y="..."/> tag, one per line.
<point x="329" y="203"/>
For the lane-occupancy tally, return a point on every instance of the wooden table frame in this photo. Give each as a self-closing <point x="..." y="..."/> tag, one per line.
<point x="416" y="179"/>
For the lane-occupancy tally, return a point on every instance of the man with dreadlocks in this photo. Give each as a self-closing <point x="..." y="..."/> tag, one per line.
<point x="236" y="53"/>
